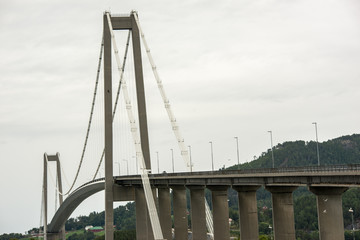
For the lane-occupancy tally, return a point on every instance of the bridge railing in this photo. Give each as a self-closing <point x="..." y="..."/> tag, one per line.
<point x="323" y="168"/>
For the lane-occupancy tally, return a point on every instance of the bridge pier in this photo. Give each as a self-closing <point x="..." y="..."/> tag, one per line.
<point x="180" y="213"/>
<point x="283" y="211"/>
<point x="55" y="236"/>
<point x="248" y="218"/>
<point x="143" y="225"/>
<point x="220" y="212"/>
<point x="198" y="217"/>
<point x="330" y="214"/>
<point x="165" y="211"/>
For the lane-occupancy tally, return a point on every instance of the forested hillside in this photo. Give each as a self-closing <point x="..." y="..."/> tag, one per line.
<point x="342" y="150"/>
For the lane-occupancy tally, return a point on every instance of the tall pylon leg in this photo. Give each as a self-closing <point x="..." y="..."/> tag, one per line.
<point x="45" y="196"/>
<point x="109" y="195"/>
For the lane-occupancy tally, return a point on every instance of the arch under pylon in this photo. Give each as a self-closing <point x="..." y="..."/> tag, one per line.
<point x="71" y="203"/>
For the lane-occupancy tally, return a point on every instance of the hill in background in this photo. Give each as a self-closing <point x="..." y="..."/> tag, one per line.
<point x="342" y="150"/>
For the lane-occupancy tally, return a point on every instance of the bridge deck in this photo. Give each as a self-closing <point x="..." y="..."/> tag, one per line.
<point x="338" y="175"/>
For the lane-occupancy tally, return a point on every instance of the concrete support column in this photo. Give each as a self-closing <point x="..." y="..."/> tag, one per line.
<point x="248" y="218"/>
<point x="54" y="236"/>
<point x="283" y="212"/>
<point x="220" y="212"/>
<point x="198" y="217"/>
<point x="180" y="213"/>
<point x="165" y="212"/>
<point x="330" y="214"/>
<point x="45" y="196"/>
<point x="140" y="92"/>
<point x="143" y="224"/>
<point x="109" y="209"/>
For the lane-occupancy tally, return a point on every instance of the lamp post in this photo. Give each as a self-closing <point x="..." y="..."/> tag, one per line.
<point x="272" y="151"/>
<point x="317" y="143"/>
<point x="136" y="164"/>
<point x="157" y="158"/>
<point x="190" y="158"/>
<point x="127" y="166"/>
<point x="172" y="159"/>
<point x="352" y="222"/>
<point x="271" y="232"/>
<point x="118" y="166"/>
<point x="237" y="152"/>
<point x="212" y="156"/>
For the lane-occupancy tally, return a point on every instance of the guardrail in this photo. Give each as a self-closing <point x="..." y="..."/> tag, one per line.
<point x="324" y="168"/>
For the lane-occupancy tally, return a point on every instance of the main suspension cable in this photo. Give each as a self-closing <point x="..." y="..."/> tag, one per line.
<point x="175" y="126"/>
<point x="117" y="96"/>
<point x="90" y="118"/>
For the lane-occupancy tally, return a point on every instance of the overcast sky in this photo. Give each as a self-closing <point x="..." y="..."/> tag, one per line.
<point x="230" y="68"/>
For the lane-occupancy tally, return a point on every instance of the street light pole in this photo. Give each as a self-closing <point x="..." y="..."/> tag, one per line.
<point x="212" y="156"/>
<point x="127" y="166"/>
<point x="317" y="143"/>
<point x="237" y="151"/>
<point x="157" y="157"/>
<point x="272" y="151"/>
<point x="172" y="159"/>
<point x="190" y="158"/>
<point x="118" y="166"/>
<point x="136" y="164"/>
<point x="352" y="221"/>
<point x="271" y="232"/>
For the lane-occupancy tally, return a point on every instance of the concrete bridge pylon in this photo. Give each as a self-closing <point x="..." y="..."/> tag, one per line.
<point x="143" y="153"/>
<point x="47" y="159"/>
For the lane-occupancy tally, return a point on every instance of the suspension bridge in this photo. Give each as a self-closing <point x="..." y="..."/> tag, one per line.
<point x="151" y="192"/>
